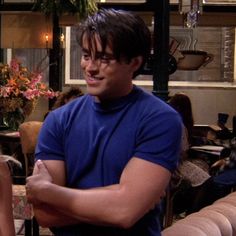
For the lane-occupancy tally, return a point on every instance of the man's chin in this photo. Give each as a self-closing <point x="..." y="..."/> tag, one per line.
<point x="93" y="91"/>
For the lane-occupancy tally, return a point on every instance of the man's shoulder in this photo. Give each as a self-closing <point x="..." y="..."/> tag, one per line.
<point x="155" y="104"/>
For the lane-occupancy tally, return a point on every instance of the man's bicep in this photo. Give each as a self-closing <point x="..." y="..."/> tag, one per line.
<point x="56" y="169"/>
<point x="144" y="178"/>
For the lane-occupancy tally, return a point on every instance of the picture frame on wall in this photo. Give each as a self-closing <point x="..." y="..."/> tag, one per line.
<point x="220" y="2"/>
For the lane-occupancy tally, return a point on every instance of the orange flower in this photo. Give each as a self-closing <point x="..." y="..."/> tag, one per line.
<point x="19" y="84"/>
<point x="42" y="86"/>
<point x="23" y="79"/>
<point x="11" y="82"/>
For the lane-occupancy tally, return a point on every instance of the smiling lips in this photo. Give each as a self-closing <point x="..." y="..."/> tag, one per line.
<point x="93" y="80"/>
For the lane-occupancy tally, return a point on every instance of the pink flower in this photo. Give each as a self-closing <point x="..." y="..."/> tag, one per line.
<point x="5" y="91"/>
<point x="36" y="79"/>
<point x="14" y="65"/>
<point x="31" y="94"/>
<point x="51" y="94"/>
<point x="20" y="85"/>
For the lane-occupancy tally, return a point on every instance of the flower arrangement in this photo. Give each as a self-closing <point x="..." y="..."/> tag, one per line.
<point x="19" y="92"/>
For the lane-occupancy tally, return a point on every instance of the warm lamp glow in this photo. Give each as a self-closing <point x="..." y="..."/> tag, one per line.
<point x="62" y="37"/>
<point x="46" y="38"/>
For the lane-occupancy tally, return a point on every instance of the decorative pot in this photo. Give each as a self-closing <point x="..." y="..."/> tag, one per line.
<point x="12" y="114"/>
<point x="194" y="59"/>
<point x="12" y="120"/>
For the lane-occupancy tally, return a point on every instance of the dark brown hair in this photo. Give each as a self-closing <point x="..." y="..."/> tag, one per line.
<point x="125" y="32"/>
<point x="64" y="97"/>
<point x="182" y="104"/>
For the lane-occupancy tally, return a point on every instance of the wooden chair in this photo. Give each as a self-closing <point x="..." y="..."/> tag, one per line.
<point x="171" y="192"/>
<point x="28" y="137"/>
<point x="168" y="216"/>
<point x="21" y="208"/>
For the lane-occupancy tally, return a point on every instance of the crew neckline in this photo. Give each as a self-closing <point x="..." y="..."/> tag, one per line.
<point x="115" y="104"/>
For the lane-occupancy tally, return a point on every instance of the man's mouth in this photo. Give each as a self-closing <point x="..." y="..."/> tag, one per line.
<point x="92" y="78"/>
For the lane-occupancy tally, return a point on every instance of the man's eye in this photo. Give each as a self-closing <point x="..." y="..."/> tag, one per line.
<point x="106" y="58"/>
<point x="86" y="56"/>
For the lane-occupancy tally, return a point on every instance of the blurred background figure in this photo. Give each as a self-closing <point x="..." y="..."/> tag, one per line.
<point x="182" y="103"/>
<point x="66" y="97"/>
<point x="195" y="185"/>
<point x="191" y="172"/>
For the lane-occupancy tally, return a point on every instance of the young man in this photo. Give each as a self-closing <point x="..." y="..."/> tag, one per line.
<point x="105" y="159"/>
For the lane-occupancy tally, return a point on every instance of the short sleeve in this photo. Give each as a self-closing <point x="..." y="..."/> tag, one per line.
<point x="50" y="141"/>
<point x="159" y="140"/>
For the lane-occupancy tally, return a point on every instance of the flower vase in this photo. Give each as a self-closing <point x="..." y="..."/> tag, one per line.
<point x="12" y="120"/>
<point x="13" y="111"/>
<point x="19" y="91"/>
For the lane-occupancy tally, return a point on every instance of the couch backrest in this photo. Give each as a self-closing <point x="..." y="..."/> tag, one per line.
<point x="216" y="219"/>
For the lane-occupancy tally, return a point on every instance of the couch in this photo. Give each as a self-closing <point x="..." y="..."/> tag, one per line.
<point x="218" y="219"/>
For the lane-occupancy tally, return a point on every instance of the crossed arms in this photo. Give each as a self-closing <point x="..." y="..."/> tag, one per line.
<point x="141" y="186"/>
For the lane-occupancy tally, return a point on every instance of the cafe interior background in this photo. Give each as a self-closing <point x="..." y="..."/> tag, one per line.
<point x="28" y="36"/>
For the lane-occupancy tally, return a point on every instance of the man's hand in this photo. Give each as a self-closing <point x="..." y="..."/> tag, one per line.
<point x="36" y="184"/>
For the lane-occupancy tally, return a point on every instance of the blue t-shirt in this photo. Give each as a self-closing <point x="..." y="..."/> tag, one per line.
<point x="96" y="141"/>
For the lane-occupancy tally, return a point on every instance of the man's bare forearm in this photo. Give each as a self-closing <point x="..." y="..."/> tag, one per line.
<point x="48" y="216"/>
<point x="116" y="205"/>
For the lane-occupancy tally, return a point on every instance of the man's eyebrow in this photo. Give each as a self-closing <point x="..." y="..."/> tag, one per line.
<point x="98" y="53"/>
<point x="104" y="54"/>
<point x="85" y="50"/>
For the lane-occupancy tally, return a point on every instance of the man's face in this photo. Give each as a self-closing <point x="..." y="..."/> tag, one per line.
<point x="106" y="78"/>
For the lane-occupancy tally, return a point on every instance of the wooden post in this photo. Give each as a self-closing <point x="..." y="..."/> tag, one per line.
<point x="161" y="49"/>
<point x="55" y="59"/>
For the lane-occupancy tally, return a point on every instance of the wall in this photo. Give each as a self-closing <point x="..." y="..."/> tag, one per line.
<point x="208" y="99"/>
<point x="208" y="102"/>
<point x="39" y="111"/>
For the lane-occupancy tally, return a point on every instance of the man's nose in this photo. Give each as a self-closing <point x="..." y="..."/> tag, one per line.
<point x="93" y="64"/>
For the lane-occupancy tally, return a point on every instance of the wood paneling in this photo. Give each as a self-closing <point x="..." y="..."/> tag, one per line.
<point x="25" y="30"/>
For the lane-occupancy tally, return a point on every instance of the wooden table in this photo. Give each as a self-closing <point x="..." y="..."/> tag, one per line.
<point x="9" y="136"/>
<point x="209" y="149"/>
<point x="209" y="153"/>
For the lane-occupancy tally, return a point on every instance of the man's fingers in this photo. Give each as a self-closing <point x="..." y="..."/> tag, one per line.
<point x="41" y="167"/>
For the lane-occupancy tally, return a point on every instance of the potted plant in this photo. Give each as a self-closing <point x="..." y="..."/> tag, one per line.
<point x="81" y="8"/>
<point x="20" y="90"/>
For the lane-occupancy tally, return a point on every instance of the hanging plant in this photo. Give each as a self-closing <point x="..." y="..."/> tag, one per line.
<point x="59" y="7"/>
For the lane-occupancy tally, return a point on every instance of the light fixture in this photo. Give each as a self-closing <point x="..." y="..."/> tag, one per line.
<point x="190" y="9"/>
<point x="46" y="40"/>
<point x="62" y="38"/>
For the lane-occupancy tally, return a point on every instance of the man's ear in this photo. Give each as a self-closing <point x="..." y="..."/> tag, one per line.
<point x="136" y="62"/>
